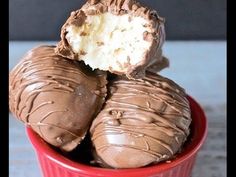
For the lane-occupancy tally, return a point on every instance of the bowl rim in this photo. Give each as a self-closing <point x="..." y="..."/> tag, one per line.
<point x="200" y="133"/>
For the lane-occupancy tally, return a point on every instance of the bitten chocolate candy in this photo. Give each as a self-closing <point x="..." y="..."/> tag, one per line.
<point x="57" y="97"/>
<point x="120" y="36"/>
<point x="144" y="121"/>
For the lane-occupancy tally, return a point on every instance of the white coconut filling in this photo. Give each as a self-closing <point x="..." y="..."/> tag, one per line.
<point x="109" y="41"/>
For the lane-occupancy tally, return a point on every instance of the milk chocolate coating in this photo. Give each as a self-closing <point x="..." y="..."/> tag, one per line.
<point x="55" y="96"/>
<point x="119" y="7"/>
<point x="143" y="122"/>
<point x="161" y="63"/>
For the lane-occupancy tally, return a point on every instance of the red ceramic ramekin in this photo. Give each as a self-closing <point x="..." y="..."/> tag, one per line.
<point x="54" y="164"/>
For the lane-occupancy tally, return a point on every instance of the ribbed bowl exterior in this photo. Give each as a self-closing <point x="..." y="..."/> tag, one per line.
<point x="54" y="164"/>
<point x="51" y="169"/>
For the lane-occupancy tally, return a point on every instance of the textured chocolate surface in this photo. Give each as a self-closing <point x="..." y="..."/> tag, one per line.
<point x="144" y="121"/>
<point x="57" y="97"/>
<point x="156" y="35"/>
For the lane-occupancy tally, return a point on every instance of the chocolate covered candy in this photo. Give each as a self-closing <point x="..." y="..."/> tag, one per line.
<point x="120" y="36"/>
<point x="143" y="122"/>
<point x="55" y="96"/>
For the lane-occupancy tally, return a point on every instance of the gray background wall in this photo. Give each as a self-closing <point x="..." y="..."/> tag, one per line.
<point x="185" y="19"/>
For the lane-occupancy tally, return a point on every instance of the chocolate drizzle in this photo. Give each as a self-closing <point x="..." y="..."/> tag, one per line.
<point x="46" y="92"/>
<point x="147" y="118"/>
<point x="155" y="23"/>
